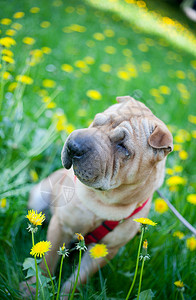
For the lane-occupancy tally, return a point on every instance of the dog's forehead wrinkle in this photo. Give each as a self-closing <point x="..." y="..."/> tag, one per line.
<point x="146" y="126"/>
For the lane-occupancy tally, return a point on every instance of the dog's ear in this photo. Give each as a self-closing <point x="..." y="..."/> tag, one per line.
<point x="121" y="99"/>
<point x="161" y="138"/>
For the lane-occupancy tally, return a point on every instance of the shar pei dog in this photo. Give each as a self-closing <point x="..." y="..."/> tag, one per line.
<point x="111" y="170"/>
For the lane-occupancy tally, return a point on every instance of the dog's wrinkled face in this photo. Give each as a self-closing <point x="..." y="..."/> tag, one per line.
<point x="126" y="139"/>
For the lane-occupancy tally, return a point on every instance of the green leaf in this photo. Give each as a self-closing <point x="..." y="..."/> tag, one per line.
<point x="29" y="263"/>
<point x="30" y="273"/>
<point x="146" y="295"/>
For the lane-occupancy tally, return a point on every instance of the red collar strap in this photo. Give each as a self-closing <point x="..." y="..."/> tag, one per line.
<point x="107" y="226"/>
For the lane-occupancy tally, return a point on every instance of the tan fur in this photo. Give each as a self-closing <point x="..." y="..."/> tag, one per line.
<point x="122" y="185"/>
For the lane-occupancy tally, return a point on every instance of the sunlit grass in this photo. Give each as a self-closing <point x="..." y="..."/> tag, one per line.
<point x="61" y="63"/>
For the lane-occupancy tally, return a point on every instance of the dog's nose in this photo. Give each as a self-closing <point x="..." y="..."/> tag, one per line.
<point x="75" y="148"/>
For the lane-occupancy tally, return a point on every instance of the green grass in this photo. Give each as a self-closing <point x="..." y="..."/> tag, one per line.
<point x="29" y="139"/>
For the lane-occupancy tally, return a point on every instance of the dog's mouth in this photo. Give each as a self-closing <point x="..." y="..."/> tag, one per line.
<point x="86" y="163"/>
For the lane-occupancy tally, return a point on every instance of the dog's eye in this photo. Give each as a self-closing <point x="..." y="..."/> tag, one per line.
<point x="121" y="146"/>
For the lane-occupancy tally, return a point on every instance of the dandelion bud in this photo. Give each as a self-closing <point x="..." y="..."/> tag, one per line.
<point x="81" y="244"/>
<point x="63" y="251"/>
<point x="145" y="244"/>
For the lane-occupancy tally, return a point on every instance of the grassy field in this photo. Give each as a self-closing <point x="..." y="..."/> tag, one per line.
<point x="61" y="63"/>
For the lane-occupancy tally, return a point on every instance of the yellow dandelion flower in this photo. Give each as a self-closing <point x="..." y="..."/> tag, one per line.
<point x="155" y="92"/>
<point x="143" y="47"/>
<point x="46" y="99"/>
<point x="77" y="28"/>
<point x="7" y="52"/>
<point x="159" y="100"/>
<point x="67" y="68"/>
<point x="127" y="52"/>
<point x="12" y="86"/>
<point x="185" y="134"/>
<point x="178" y="234"/>
<point x="175" y="180"/>
<point x="34" y="175"/>
<point x="80" y="64"/>
<point x="109" y="32"/>
<point x="79" y="236"/>
<point x="174" y="188"/>
<point x="69" y="128"/>
<point x="17" y="26"/>
<point x="193" y="64"/>
<point x="178" y="169"/>
<point x="169" y="171"/>
<point x="24" y="79"/>
<point x="18" y="15"/>
<point x="43" y="93"/>
<point x="99" y="36"/>
<point x="99" y="250"/>
<point x="45" y="24"/>
<point x="34" y="10"/>
<point x="93" y="94"/>
<point x="7" y="41"/>
<point x="164" y="90"/>
<point x="110" y="49"/>
<point x="183" y="155"/>
<point x="179" y="139"/>
<point x="177" y="147"/>
<point x="105" y="68"/>
<point x="3" y="203"/>
<point x="180" y="74"/>
<point x="122" y="41"/>
<point x="35" y="218"/>
<point x="6" y="21"/>
<point x="131" y="70"/>
<point x="191" y="243"/>
<point x="6" y="75"/>
<point x="191" y="198"/>
<point x="48" y="83"/>
<point x="8" y="59"/>
<point x="37" y="53"/>
<point x="89" y="60"/>
<point x="10" y="32"/>
<point x="124" y="75"/>
<point x="179" y="284"/>
<point x="192" y="119"/>
<point x="41" y="248"/>
<point x="28" y="40"/>
<point x="146" y="67"/>
<point x="57" y="3"/>
<point x="69" y="9"/>
<point x="145" y="221"/>
<point x="51" y="105"/>
<point x="160" y="206"/>
<point x="193" y="132"/>
<point x="60" y="126"/>
<point x="46" y="50"/>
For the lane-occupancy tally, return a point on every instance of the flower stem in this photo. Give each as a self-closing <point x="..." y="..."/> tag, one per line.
<point x="37" y="281"/>
<point x="137" y="262"/>
<point x="182" y="296"/>
<point x="50" y="277"/>
<point x="59" y="285"/>
<point x="76" y="281"/>
<point x="140" y="283"/>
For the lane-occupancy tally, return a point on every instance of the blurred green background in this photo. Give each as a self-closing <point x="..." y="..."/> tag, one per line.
<point x="61" y="63"/>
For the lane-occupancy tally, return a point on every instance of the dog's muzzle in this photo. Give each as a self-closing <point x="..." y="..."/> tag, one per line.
<point x="82" y="150"/>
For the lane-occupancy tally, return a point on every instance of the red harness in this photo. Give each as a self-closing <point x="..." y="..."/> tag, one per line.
<point x="107" y="226"/>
